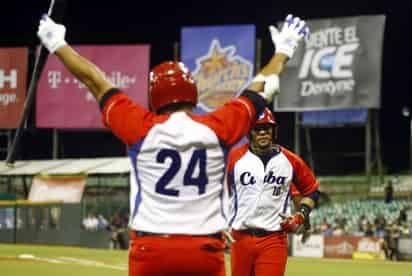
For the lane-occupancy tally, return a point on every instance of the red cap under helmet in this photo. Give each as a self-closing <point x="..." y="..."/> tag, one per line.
<point x="171" y="82"/>
<point x="266" y="117"/>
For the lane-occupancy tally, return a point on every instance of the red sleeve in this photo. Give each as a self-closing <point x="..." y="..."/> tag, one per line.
<point x="232" y="121"/>
<point x="234" y="155"/>
<point x="129" y="121"/>
<point x="303" y="177"/>
<point x="293" y="191"/>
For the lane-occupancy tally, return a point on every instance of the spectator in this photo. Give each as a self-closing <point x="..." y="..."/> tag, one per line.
<point x="403" y="217"/>
<point x="117" y="236"/>
<point x="326" y="228"/>
<point x="102" y="222"/>
<point x="368" y="229"/>
<point x="362" y="223"/>
<point x="392" y="238"/>
<point x="389" y="192"/>
<point x="380" y="224"/>
<point x="90" y="222"/>
<point x="339" y="229"/>
<point x="125" y="218"/>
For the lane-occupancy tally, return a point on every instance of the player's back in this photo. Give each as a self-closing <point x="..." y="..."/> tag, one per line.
<point x="176" y="186"/>
<point x="178" y="161"/>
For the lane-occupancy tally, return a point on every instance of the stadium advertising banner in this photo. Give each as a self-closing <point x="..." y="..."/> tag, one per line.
<point x="13" y="74"/>
<point x="68" y="189"/>
<point x="313" y="247"/>
<point x="63" y="102"/>
<point x="405" y="248"/>
<point x="347" y="246"/>
<point x="338" y="66"/>
<point x="221" y="59"/>
<point x="334" y="117"/>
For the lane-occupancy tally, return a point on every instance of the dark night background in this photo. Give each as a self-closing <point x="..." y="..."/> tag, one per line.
<point x="158" y="23"/>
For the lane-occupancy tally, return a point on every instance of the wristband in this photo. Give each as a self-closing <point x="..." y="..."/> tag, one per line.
<point x="259" y="78"/>
<point x="304" y="210"/>
<point x="263" y="78"/>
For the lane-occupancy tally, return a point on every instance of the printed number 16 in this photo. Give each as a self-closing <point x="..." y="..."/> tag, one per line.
<point x="198" y="159"/>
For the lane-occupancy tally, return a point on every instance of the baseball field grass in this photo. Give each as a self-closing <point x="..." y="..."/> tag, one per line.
<point x="35" y="260"/>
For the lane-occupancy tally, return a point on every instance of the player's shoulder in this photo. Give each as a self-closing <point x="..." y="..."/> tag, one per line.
<point x="285" y="150"/>
<point x="204" y="119"/>
<point x="293" y="157"/>
<point x="239" y="150"/>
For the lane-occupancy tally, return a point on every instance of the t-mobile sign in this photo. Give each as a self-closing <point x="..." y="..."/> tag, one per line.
<point x="13" y="73"/>
<point x="64" y="102"/>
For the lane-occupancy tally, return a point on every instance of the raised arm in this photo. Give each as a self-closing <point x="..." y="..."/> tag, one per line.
<point x="52" y="36"/>
<point x="285" y="42"/>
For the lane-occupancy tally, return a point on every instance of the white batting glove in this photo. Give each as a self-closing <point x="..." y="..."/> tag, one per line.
<point x="286" y="41"/>
<point x="51" y="34"/>
<point x="271" y="86"/>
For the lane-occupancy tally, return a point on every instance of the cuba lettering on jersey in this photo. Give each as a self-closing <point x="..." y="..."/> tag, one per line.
<point x="260" y="193"/>
<point x="178" y="163"/>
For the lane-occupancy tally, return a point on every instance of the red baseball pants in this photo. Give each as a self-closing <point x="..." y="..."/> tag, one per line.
<point x="259" y="256"/>
<point x="176" y="255"/>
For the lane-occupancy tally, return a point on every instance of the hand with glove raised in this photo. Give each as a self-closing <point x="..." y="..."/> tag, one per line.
<point x="286" y="41"/>
<point x="51" y="34"/>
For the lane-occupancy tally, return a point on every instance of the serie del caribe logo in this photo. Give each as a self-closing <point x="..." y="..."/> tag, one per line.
<point x="220" y="75"/>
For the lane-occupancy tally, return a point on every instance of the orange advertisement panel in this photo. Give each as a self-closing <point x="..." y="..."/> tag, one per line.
<point x="68" y="189"/>
<point x="13" y="74"/>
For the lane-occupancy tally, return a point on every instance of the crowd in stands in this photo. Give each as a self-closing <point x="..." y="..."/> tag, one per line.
<point x="369" y="218"/>
<point x="93" y="223"/>
<point x="363" y="218"/>
<point x="385" y="220"/>
<point x="116" y="225"/>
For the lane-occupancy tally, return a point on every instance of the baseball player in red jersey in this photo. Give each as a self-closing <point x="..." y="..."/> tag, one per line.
<point x="177" y="198"/>
<point x="263" y="175"/>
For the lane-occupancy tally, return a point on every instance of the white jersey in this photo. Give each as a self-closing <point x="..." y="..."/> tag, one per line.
<point x="260" y="192"/>
<point x="177" y="180"/>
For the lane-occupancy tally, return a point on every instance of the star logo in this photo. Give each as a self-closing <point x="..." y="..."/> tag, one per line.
<point x="220" y="75"/>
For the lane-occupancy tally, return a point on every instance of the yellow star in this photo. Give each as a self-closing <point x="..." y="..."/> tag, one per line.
<point x="215" y="62"/>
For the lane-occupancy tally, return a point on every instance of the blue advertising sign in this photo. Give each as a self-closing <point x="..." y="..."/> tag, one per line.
<point x="221" y="59"/>
<point x="335" y="117"/>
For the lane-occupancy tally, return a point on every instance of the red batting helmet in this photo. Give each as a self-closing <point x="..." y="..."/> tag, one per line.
<point x="266" y="117"/>
<point x="171" y="82"/>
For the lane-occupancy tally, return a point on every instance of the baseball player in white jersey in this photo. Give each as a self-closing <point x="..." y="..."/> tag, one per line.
<point x="177" y="191"/>
<point x="263" y="176"/>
